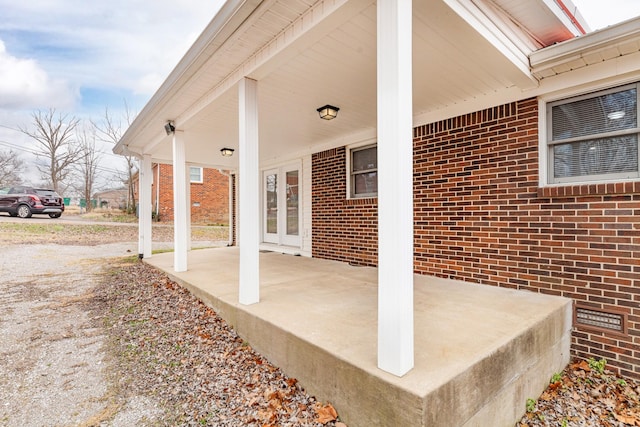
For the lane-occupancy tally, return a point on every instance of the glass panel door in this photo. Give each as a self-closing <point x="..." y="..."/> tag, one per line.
<point x="292" y="235"/>
<point x="281" y="223"/>
<point x="271" y="206"/>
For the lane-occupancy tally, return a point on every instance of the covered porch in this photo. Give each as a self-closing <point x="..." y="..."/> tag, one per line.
<point x="480" y="351"/>
<point x="253" y="84"/>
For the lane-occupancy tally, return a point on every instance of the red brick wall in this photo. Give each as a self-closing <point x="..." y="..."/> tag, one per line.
<point x="212" y="195"/>
<point x="343" y="229"/>
<point x="480" y="217"/>
<point x="165" y="205"/>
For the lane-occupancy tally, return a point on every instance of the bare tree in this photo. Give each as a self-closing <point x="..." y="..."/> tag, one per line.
<point x="88" y="163"/>
<point x="55" y="135"/>
<point x="111" y="130"/>
<point x="10" y="168"/>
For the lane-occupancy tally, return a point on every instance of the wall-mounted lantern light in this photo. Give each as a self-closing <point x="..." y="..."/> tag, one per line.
<point x="227" y="152"/>
<point x="169" y="127"/>
<point x="328" y="112"/>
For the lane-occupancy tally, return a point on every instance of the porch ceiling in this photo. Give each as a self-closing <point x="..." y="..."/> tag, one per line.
<point x="334" y="63"/>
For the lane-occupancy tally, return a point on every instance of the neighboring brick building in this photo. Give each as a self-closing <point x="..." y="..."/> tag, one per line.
<point x="209" y="195"/>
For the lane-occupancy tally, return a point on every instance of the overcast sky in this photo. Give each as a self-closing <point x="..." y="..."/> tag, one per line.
<point x="601" y="13"/>
<point x="81" y="56"/>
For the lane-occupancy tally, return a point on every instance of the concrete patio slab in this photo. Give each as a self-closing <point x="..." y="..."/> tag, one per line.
<point x="480" y="351"/>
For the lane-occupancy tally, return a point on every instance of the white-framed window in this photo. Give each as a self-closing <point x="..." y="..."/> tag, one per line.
<point x="594" y="137"/>
<point x="195" y="174"/>
<point x="363" y="171"/>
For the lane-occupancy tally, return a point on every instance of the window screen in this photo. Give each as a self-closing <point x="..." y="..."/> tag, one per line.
<point x="595" y="137"/>
<point x="364" y="172"/>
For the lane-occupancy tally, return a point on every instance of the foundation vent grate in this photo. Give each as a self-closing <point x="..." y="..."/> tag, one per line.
<point x="602" y="320"/>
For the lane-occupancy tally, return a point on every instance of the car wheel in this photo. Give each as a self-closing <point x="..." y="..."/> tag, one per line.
<point x="24" y="211"/>
<point x="55" y="215"/>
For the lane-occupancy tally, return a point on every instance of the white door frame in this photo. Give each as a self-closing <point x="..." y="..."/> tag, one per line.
<point x="281" y="237"/>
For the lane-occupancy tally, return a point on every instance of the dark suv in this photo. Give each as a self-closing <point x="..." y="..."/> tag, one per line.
<point x="25" y="201"/>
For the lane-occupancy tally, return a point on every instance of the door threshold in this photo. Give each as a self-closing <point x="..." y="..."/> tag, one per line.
<point x="283" y="249"/>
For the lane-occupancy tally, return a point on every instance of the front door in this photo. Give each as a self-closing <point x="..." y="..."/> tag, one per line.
<point x="281" y="224"/>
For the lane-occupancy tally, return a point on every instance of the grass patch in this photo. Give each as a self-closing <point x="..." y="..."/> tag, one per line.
<point x="111" y="216"/>
<point x="31" y="228"/>
<point x="161" y="251"/>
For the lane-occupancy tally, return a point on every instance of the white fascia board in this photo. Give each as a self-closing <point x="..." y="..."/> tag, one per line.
<point x="574" y="23"/>
<point x="229" y="18"/>
<point x="488" y="29"/>
<point x="524" y="41"/>
<point x="573" y="49"/>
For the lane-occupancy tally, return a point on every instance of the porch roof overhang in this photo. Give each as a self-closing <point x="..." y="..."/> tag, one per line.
<point x="594" y="48"/>
<point x="305" y="54"/>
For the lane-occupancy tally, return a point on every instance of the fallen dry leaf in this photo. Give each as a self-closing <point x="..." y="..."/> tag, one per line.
<point x="629" y="420"/>
<point x="325" y="414"/>
<point x="170" y="345"/>
<point x="582" y="365"/>
<point x="586" y="398"/>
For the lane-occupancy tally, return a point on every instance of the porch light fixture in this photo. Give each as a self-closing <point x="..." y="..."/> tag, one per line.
<point x="169" y="127"/>
<point x="227" y="152"/>
<point x="328" y="112"/>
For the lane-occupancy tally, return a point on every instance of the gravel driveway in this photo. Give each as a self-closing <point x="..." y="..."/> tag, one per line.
<point x="51" y="357"/>
<point x="91" y="337"/>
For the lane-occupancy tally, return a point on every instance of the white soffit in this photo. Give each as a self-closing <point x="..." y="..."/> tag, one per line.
<point x="306" y="53"/>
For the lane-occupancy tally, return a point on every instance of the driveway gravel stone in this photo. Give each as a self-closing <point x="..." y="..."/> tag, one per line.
<point x="51" y="358"/>
<point x="89" y="336"/>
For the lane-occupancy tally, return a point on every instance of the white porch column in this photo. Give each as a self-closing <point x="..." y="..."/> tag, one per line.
<point x="145" y="207"/>
<point x="395" y="187"/>
<point x="249" y="197"/>
<point x="180" y="203"/>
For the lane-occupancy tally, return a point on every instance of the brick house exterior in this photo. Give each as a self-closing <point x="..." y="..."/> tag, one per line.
<point x="477" y="126"/>
<point x="209" y="198"/>
<point x="480" y="216"/>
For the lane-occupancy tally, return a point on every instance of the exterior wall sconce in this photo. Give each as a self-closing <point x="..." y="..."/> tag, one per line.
<point x="227" y="152"/>
<point x="328" y="112"/>
<point x="169" y="127"/>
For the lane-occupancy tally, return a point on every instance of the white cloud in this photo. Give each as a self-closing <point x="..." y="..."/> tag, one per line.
<point x="108" y="46"/>
<point x="24" y="84"/>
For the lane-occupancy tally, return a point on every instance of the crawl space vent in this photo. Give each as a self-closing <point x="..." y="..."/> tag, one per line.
<point x="602" y="320"/>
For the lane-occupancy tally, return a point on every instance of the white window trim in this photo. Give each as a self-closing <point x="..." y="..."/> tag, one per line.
<point x="201" y="175"/>
<point x="349" y="149"/>
<point x="544" y="164"/>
